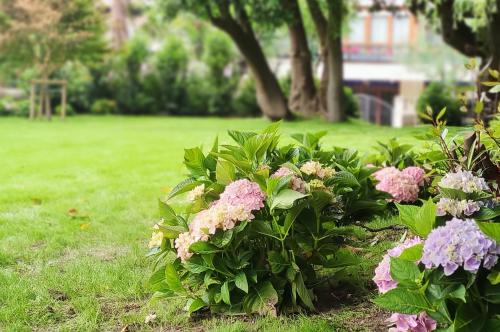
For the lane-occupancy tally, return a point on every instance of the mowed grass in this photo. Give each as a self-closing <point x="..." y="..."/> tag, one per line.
<point x="77" y="200"/>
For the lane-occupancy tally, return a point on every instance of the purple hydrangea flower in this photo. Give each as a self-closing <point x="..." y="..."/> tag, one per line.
<point x="459" y="243"/>
<point x="464" y="181"/>
<point x="456" y="207"/>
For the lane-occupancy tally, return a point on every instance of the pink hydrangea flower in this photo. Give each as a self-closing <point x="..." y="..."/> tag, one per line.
<point x="382" y="277"/>
<point x="402" y="185"/>
<point x="296" y="183"/>
<point x="236" y="204"/>
<point x="244" y="192"/>
<point x="416" y="173"/>
<point x="411" y="323"/>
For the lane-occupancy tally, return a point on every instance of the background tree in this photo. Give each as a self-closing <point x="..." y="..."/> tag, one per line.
<point x="45" y="34"/>
<point x="239" y="20"/>
<point x="470" y="27"/>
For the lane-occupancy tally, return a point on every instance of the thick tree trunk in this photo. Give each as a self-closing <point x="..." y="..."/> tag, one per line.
<point x="270" y="97"/>
<point x="335" y="95"/>
<point x="303" y="95"/>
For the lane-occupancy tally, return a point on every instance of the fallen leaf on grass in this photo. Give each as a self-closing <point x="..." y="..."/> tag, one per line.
<point x="150" y="318"/>
<point x="36" y="201"/>
<point x="84" y="227"/>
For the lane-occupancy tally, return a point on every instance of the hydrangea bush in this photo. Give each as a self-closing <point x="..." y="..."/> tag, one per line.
<point x="449" y="276"/>
<point x="261" y="224"/>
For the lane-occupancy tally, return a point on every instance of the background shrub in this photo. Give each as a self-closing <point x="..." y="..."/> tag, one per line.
<point x="104" y="106"/>
<point x="438" y="95"/>
<point x="351" y="103"/>
<point x="245" y="100"/>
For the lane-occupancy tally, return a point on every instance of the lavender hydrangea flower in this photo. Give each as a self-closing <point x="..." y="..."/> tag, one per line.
<point x="456" y="207"/>
<point x="459" y="243"/>
<point x="464" y="181"/>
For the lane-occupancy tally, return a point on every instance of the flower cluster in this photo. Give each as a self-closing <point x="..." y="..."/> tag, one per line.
<point x="414" y="323"/>
<point x="315" y="168"/>
<point x="459" y="243"/>
<point x="383" y="277"/>
<point x="456" y="207"/>
<point x="236" y="204"/>
<point x="402" y="185"/>
<point x="196" y="193"/>
<point x="464" y="181"/>
<point x="156" y="237"/>
<point x="296" y="183"/>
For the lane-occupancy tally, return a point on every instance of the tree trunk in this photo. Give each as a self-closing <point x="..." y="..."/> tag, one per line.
<point x="270" y="97"/>
<point x="321" y="25"/>
<point x="303" y="95"/>
<point x="119" y="31"/>
<point x="335" y="95"/>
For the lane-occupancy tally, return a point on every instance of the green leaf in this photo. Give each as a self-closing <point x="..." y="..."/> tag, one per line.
<point x="241" y="281"/>
<point x="166" y="212"/>
<point x="468" y="318"/>
<point x="494" y="277"/>
<point x="413" y="253"/>
<point x="285" y="199"/>
<point x="261" y="300"/>
<point x="403" y="301"/>
<point x="277" y="262"/>
<point x="225" y="172"/>
<point x="183" y="187"/>
<point x="458" y="293"/>
<point x="491" y="229"/>
<point x="195" y="162"/>
<point x="171" y="232"/>
<point x="342" y="258"/>
<point x="345" y="179"/>
<point x="202" y="247"/>
<point x="303" y="292"/>
<point x="486" y="214"/>
<point x="405" y="271"/>
<point x="157" y="280"/>
<point x="492" y="293"/>
<point x="290" y="218"/>
<point x="420" y="220"/>
<point x="495" y="89"/>
<point x="196" y="305"/>
<point x="224" y="291"/>
<point x="172" y="279"/>
<point x="196" y="265"/>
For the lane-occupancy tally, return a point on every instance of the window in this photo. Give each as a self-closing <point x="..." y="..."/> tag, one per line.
<point x="379" y="28"/>
<point x="401" y="28"/>
<point x="357" y="30"/>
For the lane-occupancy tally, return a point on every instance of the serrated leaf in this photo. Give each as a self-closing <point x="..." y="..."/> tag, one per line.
<point x="224" y="291"/>
<point x="182" y="187"/>
<point x="261" y="299"/>
<point x="202" y="247"/>
<point x="458" y="293"/>
<point x="196" y="305"/>
<point x="403" y="301"/>
<point x="195" y="162"/>
<point x="196" y="265"/>
<point x="491" y="229"/>
<point x="494" y="277"/>
<point x="413" y="253"/>
<point x="404" y="271"/>
<point x="277" y="262"/>
<point x="166" y="212"/>
<point x="285" y="199"/>
<point x="172" y="279"/>
<point x="303" y="292"/>
<point x="241" y="281"/>
<point x="225" y="172"/>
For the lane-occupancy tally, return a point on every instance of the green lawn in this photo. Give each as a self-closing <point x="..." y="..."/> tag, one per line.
<point x="77" y="200"/>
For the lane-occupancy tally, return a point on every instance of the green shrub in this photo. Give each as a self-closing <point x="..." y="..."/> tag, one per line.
<point x="263" y="226"/>
<point x="104" y="106"/>
<point x="222" y="79"/>
<point x="69" y="110"/>
<point x="437" y="96"/>
<point x="78" y="87"/>
<point x="351" y="104"/>
<point x="15" y="107"/>
<point x="245" y="100"/>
